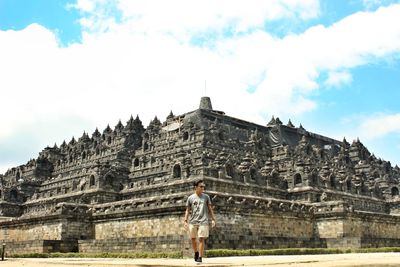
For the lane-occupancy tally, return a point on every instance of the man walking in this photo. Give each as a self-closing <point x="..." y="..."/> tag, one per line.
<point x="198" y="205"/>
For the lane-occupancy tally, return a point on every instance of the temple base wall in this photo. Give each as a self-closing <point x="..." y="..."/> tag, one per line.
<point x="243" y="222"/>
<point x="359" y="230"/>
<point x="165" y="225"/>
<point x="262" y="231"/>
<point x="169" y="243"/>
<point x="45" y="234"/>
<point x="27" y="231"/>
<point x="41" y="246"/>
<point x="234" y="231"/>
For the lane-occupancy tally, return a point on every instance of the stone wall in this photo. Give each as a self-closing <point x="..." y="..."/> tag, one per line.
<point x="236" y="229"/>
<point x="251" y="222"/>
<point x="140" y="227"/>
<point x="261" y="231"/>
<point x="77" y="229"/>
<point x="26" y="231"/>
<point x="358" y="229"/>
<point x="45" y="234"/>
<point x="41" y="246"/>
<point x="381" y="227"/>
<point x="169" y="243"/>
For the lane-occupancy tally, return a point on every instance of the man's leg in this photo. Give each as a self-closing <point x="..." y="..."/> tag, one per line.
<point x="201" y="247"/>
<point x="194" y="245"/>
<point x="193" y="229"/>
<point x="203" y="234"/>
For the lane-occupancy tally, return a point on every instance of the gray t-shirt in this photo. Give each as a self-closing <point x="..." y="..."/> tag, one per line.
<point x="199" y="208"/>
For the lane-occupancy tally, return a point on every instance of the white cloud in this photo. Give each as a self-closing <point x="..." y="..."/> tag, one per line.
<point x="338" y="78"/>
<point x="84" y="5"/>
<point x="181" y="16"/>
<point x="147" y="64"/>
<point x="380" y="125"/>
<point x="371" y="4"/>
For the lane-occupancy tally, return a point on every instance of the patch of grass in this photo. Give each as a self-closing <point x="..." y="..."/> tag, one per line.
<point x="295" y="251"/>
<point x="138" y="255"/>
<point x="372" y="250"/>
<point x="209" y="253"/>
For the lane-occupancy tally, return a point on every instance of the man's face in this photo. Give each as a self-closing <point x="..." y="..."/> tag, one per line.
<point x="200" y="187"/>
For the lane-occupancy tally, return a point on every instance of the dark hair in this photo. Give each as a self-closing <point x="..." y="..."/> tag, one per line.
<point x="196" y="183"/>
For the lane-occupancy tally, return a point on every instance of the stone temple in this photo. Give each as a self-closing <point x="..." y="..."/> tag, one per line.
<point x="273" y="186"/>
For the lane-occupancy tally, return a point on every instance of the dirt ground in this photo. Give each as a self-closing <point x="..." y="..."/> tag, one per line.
<point x="337" y="260"/>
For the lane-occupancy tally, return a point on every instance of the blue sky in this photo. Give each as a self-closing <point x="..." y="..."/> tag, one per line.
<point x="54" y="15"/>
<point x="71" y="66"/>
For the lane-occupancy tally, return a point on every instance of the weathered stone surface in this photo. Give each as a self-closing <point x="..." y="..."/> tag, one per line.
<point x="272" y="186"/>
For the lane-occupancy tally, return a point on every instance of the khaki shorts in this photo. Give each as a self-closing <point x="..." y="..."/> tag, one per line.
<point x="200" y="231"/>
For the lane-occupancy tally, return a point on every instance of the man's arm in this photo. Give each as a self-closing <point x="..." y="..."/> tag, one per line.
<point x="212" y="215"/>
<point x="185" y="222"/>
